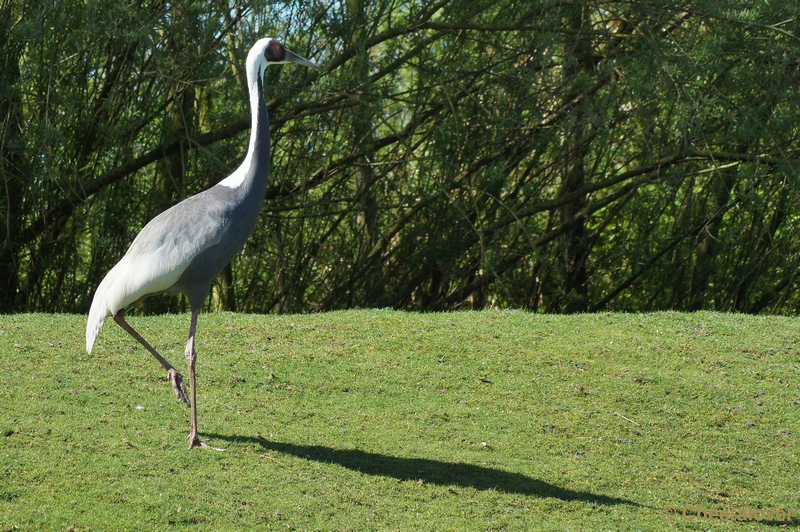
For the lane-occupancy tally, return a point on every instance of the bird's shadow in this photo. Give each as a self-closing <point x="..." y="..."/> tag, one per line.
<point x="430" y="471"/>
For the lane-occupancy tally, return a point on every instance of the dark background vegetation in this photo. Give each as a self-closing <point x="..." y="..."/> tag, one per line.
<point x="552" y="155"/>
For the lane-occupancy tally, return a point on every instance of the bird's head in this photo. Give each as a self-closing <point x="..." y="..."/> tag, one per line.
<point x="267" y="52"/>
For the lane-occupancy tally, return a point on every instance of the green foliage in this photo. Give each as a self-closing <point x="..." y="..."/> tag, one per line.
<point x="384" y="420"/>
<point x="460" y="154"/>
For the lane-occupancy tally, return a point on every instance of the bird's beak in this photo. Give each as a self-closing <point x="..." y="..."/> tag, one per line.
<point x="292" y="57"/>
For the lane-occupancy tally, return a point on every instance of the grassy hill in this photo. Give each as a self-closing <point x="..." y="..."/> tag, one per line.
<point x="383" y="420"/>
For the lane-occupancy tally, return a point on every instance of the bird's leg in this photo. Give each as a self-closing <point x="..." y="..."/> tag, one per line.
<point x="191" y="358"/>
<point x="174" y="377"/>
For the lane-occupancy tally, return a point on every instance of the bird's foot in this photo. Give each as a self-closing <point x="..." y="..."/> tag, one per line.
<point x="194" y="441"/>
<point x="178" y="386"/>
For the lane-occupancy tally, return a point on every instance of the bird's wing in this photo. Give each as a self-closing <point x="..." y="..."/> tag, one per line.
<point x="157" y="257"/>
<point x="168" y="244"/>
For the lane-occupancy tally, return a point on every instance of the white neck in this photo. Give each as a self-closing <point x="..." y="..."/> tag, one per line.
<point x="237" y="178"/>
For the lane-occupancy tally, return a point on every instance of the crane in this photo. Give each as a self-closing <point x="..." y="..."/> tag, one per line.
<point x="182" y="249"/>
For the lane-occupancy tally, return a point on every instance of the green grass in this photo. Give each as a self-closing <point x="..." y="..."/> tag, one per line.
<point x="383" y="420"/>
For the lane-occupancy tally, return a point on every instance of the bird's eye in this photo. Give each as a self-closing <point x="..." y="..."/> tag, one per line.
<point x="275" y="51"/>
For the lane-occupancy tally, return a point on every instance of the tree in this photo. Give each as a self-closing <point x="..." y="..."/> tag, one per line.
<point x="558" y="157"/>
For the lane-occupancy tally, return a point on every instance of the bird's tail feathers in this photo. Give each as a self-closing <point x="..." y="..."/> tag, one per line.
<point x="94" y="324"/>
<point x="99" y="310"/>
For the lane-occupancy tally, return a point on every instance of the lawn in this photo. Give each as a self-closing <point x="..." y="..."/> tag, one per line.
<point x="385" y="420"/>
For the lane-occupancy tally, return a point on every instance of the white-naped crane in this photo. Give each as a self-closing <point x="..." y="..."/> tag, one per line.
<point x="182" y="249"/>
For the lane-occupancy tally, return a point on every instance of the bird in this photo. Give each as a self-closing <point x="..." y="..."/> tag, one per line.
<point x="184" y="248"/>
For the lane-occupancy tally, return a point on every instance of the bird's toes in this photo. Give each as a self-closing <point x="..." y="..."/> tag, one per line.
<point x="178" y="386"/>
<point x="196" y="442"/>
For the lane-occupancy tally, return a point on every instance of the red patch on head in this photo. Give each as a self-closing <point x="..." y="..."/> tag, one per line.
<point x="275" y="51"/>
